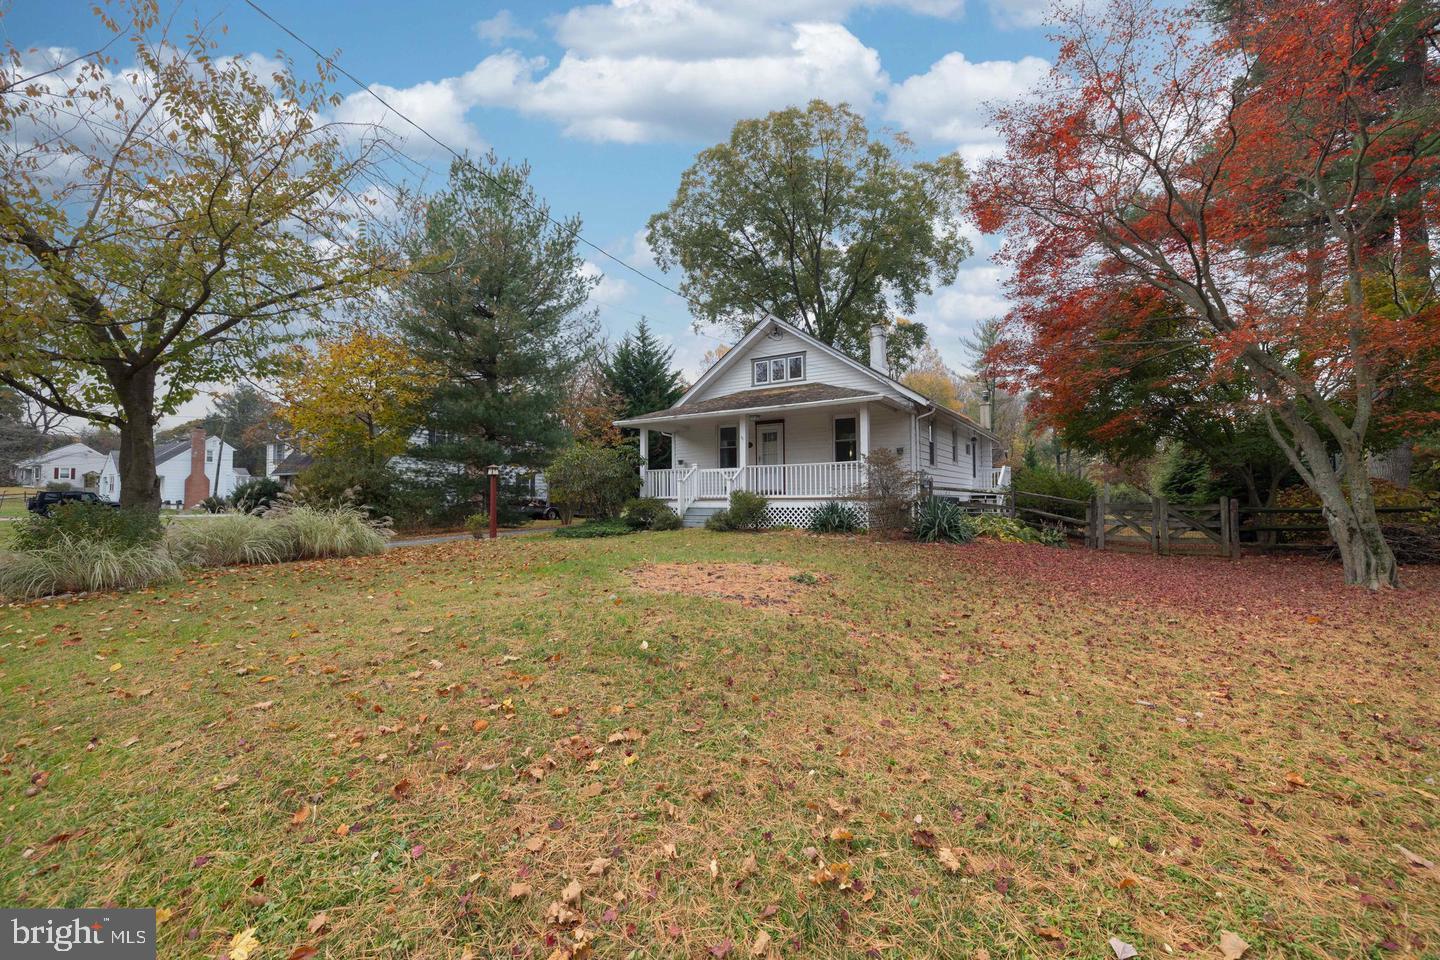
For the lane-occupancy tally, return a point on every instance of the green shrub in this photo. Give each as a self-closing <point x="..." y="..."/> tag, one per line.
<point x="87" y="523"/>
<point x="478" y="524"/>
<point x="595" y="528"/>
<point x="1050" y="482"/>
<point x="66" y="564"/>
<point x="994" y="526"/>
<point x="720" y="522"/>
<point x="226" y="541"/>
<point x="942" y="521"/>
<point x="835" y="517"/>
<point x="747" y="510"/>
<point x="649" y="513"/>
<point x="256" y="494"/>
<point x="593" y="480"/>
<point x="213" y="504"/>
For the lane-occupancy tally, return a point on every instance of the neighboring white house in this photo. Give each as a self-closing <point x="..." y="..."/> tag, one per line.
<point x="69" y="465"/>
<point x="787" y="416"/>
<point x="189" y="470"/>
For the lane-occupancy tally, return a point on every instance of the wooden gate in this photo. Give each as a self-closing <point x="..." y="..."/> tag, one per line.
<point x="1161" y="527"/>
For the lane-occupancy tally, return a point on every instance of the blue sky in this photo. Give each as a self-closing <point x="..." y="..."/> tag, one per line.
<point x="610" y="101"/>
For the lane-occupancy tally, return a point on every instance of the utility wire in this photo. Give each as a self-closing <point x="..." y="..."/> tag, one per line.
<point x="470" y="163"/>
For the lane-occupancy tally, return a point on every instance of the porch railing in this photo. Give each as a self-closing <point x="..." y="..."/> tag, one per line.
<point x="660" y="483"/>
<point x="714" y="484"/>
<point x="1000" y="478"/>
<point x="685" y="487"/>
<point x="802" y="479"/>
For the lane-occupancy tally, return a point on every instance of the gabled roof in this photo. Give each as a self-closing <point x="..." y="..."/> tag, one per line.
<point x="75" y="449"/>
<point x="685" y="405"/>
<point x="169" y="450"/>
<point x="771" y="397"/>
<point x="293" y="463"/>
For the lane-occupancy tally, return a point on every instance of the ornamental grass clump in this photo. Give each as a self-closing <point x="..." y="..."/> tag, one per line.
<point x="227" y="540"/>
<point x="69" y="565"/>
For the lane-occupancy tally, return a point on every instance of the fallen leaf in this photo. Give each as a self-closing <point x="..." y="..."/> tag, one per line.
<point x="318" y="922"/>
<point x="1050" y="933"/>
<point x="402" y="788"/>
<point x="481" y="725"/>
<point x="242" y="945"/>
<point x="225" y="783"/>
<point x="1231" y="946"/>
<point x="592" y="790"/>
<point x="301" y="815"/>
<point x="841" y="835"/>
<point x="949" y="860"/>
<point x="598" y="866"/>
<point x="571" y="894"/>
<point x="163" y="914"/>
<point x="761" y="944"/>
<point x="519" y="890"/>
<point x="722" y="949"/>
<point x="1123" y="950"/>
<point x="535" y="844"/>
<point x="1414" y="859"/>
<point x="923" y="839"/>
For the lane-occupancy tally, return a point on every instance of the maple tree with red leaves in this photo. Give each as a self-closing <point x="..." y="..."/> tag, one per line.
<point x="1264" y="186"/>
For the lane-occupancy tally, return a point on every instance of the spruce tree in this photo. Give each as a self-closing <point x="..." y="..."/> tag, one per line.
<point x="639" y="372"/>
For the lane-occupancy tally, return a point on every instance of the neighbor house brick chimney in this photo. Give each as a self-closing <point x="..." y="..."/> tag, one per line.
<point x="197" y="485"/>
<point x="878" y="360"/>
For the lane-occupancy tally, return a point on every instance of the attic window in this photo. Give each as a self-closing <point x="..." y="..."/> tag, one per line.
<point x="779" y="369"/>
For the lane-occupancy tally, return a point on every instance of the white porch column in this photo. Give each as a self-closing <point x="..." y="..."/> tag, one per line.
<point x="862" y="432"/>
<point x="742" y="443"/>
<point x="644" y="450"/>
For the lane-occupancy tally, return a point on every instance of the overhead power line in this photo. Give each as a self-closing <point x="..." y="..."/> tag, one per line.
<point x="470" y="163"/>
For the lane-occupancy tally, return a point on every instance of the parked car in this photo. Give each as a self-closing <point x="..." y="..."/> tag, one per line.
<point x="47" y="500"/>
<point x="538" y="508"/>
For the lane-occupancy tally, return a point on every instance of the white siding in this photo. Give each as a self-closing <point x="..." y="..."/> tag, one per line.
<point x="809" y="435"/>
<point x="820" y="367"/>
<point x="955" y="467"/>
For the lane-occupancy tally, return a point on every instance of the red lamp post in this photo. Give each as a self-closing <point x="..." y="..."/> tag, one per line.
<point x="494" y="471"/>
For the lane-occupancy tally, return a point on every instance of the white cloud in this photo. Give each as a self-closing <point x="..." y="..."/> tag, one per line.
<point x="1020" y="14"/>
<point x="611" y="290"/>
<point x="949" y="101"/>
<point x="501" y="27"/>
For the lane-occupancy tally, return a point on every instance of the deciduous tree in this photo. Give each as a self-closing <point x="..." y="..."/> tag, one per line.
<point x="802" y="215"/>
<point x="163" y="223"/>
<point x="1245" y="174"/>
<point x="358" y="397"/>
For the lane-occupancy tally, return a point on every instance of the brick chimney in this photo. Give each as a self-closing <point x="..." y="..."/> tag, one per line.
<point x="197" y="485"/>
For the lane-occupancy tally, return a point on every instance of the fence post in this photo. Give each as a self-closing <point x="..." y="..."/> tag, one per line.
<point x="1225" y="541"/>
<point x="1101" y="508"/>
<point x="1091" y="522"/>
<point x="1234" y="529"/>
<point x="1160" y="526"/>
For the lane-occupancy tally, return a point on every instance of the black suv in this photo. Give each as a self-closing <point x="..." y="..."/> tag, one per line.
<point x="46" y="500"/>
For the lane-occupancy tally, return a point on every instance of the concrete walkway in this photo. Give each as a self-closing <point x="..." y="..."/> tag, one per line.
<point x="425" y="541"/>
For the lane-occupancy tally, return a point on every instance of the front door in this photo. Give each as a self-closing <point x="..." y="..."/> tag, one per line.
<point x="770" y="452"/>
<point x="772" y="443"/>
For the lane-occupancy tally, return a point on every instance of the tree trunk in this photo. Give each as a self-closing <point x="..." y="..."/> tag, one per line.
<point x="1393" y="465"/>
<point x="139" y="484"/>
<point x="1345" y="499"/>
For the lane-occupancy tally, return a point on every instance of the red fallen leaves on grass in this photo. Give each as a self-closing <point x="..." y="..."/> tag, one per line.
<point x="1304" y="589"/>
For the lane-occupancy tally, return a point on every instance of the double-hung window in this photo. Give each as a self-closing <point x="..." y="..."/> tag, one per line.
<point x="779" y="369"/>
<point x="729" y="447"/>
<point x="846" y="448"/>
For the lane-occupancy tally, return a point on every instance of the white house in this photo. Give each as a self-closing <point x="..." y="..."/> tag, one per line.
<point x="787" y="416"/>
<point x="189" y="470"/>
<point x="69" y="465"/>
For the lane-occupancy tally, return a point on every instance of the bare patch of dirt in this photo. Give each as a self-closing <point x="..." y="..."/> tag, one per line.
<point x="748" y="584"/>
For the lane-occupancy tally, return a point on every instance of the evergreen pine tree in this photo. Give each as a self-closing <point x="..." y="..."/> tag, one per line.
<point x="639" y="372"/>
<point x="501" y="312"/>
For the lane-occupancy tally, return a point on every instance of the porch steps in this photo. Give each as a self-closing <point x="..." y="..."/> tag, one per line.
<point x="697" y="515"/>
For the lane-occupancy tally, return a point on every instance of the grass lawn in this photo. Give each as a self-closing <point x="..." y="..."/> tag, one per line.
<point x="502" y="749"/>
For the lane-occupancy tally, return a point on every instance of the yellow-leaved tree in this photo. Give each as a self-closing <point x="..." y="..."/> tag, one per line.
<point x="359" y="397"/>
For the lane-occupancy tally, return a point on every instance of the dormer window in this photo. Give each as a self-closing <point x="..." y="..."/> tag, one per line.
<point x="779" y="369"/>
